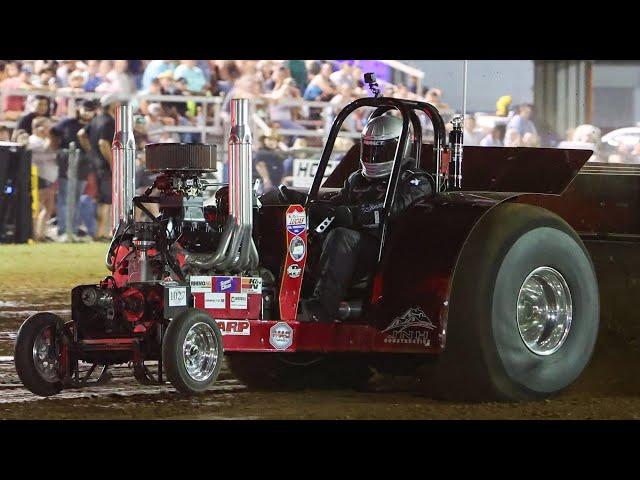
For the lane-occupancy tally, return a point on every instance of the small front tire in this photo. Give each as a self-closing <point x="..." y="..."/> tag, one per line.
<point x="192" y="352"/>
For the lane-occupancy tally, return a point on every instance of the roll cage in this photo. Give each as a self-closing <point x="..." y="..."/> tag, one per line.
<point x="407" y="110"/>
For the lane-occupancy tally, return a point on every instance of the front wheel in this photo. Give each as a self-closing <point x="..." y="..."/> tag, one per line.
<point x="38" y="352"/>
<point x="192" y="351"/>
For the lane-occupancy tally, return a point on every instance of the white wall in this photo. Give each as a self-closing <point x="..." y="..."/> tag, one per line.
<point x="488" y="80"/>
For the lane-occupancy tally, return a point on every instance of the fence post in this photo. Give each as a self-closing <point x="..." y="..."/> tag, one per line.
<point x="72" y="187"/>
<point x="203" y="119"/>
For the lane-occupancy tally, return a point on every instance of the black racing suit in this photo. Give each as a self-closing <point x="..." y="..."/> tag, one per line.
<point x="351" y="253"/>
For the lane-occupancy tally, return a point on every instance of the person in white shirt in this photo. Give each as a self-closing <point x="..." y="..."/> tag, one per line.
<point x="472" y="134"/>
<point x="495" y="138"/>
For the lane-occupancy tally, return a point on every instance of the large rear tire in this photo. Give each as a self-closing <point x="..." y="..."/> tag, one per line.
<point x="192" y="352"/>
<point x="524" y="310"/>
<point x="37" y="353"/>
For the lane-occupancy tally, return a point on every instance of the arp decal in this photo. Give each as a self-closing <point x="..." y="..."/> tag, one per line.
<point x="294" y="270"/>
<point x="234" y="327"/>
<point x="281" y="336"/>
<point x="412" y="327"/>
<point x="296" y="222"/>
<point x="296" y="249"/>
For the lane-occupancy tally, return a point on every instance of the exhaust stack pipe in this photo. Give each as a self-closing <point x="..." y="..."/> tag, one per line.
<point x="123" y="149"/>
<point x="237" y="250"/>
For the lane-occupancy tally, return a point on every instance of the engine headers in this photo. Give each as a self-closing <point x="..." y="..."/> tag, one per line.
<point x="236" y="251"/>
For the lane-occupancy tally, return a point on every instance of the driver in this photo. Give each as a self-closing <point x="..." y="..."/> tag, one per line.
<point x="350" y="250"/>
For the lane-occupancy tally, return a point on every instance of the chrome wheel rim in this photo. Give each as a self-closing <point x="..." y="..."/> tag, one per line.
<point x="544" y="311"/>
<point x="45" y="354"/>
<point x="200" y="351"/>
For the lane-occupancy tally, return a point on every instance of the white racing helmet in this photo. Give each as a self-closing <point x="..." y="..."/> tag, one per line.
<point x="379" y="141"/>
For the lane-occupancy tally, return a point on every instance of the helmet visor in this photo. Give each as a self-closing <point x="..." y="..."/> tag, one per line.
<point x="380" y="151"/>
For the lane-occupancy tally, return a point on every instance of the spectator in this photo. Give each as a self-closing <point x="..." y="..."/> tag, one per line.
<point x="96" y="137"/>
<point x="472" y="134"/>
<point x="229" y="73"/>
<point x="5" y="134"/>
<point x="434" y="97"/>
<point x="118" y="80"/>
<point x="521" y="121"/>
<point x="64" y="70"/>
<point x="45" y="79"/>
<point x="76" y="86"/>
<point x="156" y="120"/>
<point x="496" y="137"/>
<point x="40" y="109"/>
<point x="512" y="138"/>
<point x="3" y="70"/>
<point x="298" y="73"/>
<point x="265" y="74"/>
<point x="344" y="76"/>
<point x="321" y="88"/>
<point x="267" y="162"/>
<point x="13" y="105"/>
<point x="154" y="89"/>
<point x="154" y="69"/>
<point x="97" y="74"/>
<point x="588" y="137"/>
<point x="192" y="74"/>
<point x="43" y="147"/>
<point x="67" y="129"/>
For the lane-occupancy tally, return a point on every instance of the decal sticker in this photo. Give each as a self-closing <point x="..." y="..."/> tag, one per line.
<point x="296" y="248"/>
<point x="412" y="326"/>
<point x="234" y="327"/>
<point x="177" y="296"/>
<point x="415" y="182"/>
<point x="215" y="300"/>
<point x="226" y="284"/>
<point x="296" y="222"/>
<point x="294" y="270"/>
<point x="200" y="284"/>
<point x="251" y="285"/>
<point x="281" y="336"/>
<point x="238" y="301"/>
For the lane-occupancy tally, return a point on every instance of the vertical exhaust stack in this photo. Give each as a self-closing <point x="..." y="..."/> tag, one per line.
<point x="123" y="150"/>
<point x="236" y="250"/>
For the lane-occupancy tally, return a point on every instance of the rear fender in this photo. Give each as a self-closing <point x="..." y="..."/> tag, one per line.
<point x="421" y="257"/>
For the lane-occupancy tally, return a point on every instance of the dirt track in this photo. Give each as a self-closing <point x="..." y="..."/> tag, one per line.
<point x="609" y="388"/>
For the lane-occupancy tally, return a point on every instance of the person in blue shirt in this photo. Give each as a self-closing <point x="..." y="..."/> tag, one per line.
<point x="155" y="68"/>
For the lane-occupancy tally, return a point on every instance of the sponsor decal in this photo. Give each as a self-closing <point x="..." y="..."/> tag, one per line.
<point x="296" y="222"/>
<point x="415" y="181"/>
<point x="412" y="327"/>
<point x="234" y="327"/>
<point x="226" y="284"/>
<point x="238" y="301"/>
<point x="200" y="284"/>
<point x="296" y="249"/>
<point x="281" y="336"/>
<point x="251" y="285"/>
<point x="215" y="300"/>
<point x="177" y="296"/>
<point x="294" y="270"/>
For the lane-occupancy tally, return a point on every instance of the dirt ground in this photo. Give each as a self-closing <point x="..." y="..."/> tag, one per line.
<point x="39" y="278"/>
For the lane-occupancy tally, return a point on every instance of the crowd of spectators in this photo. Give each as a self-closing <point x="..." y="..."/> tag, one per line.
<point x="49" y="120"/>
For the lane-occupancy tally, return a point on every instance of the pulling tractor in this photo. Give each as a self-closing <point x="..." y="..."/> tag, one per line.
<point x="479" y="289"/>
